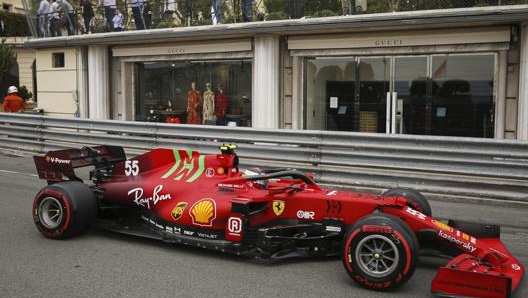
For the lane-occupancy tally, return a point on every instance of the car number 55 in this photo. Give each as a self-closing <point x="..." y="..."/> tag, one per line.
<point x="131" y="167"/>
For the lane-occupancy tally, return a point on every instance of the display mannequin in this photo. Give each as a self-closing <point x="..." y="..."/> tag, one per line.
<point x="208" y="105"/>
<point x="221" y="105"/>
<point x="194" y="105"/>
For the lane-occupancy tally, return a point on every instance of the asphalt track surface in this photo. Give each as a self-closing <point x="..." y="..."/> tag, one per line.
<point x="103" y="264"/>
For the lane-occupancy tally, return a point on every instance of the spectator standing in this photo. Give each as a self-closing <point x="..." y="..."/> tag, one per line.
<point x="345" y="7"/>
<point x="87" y="14"/>
<point x="247" y="10"/>
<point x="109" y="7"/>
<point x="54" y="19"/>
<point x="137" y="7"/>
<point x="70" y="16"/>
<point x="169" y="8"/>
<point x="147" y="14"/>
<point x="42" y="12"/>
<point x="217" y="14"/>
<point x="12" y="102"/>
<point x="294" y="9"/>
<point x="2" y="28"/>
<point x="118" y="21"/>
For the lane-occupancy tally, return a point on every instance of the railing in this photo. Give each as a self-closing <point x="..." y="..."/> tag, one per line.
<point x="443" y="166"/>
<point x="173" y="13"/>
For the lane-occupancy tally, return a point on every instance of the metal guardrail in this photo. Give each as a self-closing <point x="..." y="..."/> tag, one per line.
<point x="486" y="169"/>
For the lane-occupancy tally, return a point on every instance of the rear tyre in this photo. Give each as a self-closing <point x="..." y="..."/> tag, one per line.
<point x="379" y="253"/>
<point x="416" y="200"/>
<point x="64" y="209"/>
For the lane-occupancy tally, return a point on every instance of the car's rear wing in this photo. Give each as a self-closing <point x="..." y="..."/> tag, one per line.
<point x="56" y="165"/>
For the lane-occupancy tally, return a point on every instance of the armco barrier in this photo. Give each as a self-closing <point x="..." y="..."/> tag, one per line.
<point x="443" y="166"/>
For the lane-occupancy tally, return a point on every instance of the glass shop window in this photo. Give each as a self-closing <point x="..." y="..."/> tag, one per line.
<point x="194" y="92"/>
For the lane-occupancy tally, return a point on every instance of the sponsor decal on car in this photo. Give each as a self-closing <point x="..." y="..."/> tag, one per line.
<point x="203" y="212"/>
<point x="157" y="196"/>
<point x="333" y="229"/>
<point x="173" y="230"/>
<point x="305" y="214"/>
<point x="234" y="228"/>
<point x="416" y="213"/>
<point x="231" y="185"/>
<point x="186" y="166"/>
<point x="466" y="237"/>
<point x="278" y="207"/>
<point x="177" y="212"/>
<point x="442" y="225"/>
<point x="57" y="160"/>
<point x="210" y="172"/>
<point x="456" y="241"/>
<point x="206" y="235"/>
<point x="333" y="207"/>
<point x="182" y="230"/>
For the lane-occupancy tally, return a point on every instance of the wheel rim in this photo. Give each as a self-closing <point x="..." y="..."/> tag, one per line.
<point x="50" y="213"/>
<point x="377" y="255"/>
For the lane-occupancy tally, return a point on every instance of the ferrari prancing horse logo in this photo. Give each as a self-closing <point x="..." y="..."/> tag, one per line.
<point x="278" y="207"/>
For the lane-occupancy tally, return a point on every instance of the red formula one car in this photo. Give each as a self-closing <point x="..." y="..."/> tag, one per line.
<point x="205" y="201"/>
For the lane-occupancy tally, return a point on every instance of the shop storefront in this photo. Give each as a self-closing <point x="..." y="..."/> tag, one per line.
<point x="190" y="83"/>
<point x="434" y="94"/>
<point x="405" y="85"/>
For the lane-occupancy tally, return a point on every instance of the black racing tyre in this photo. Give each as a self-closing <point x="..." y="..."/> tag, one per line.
<point x="64" y="209"/>
<point x="418" y="201"/>
<point x="380" y="252"/>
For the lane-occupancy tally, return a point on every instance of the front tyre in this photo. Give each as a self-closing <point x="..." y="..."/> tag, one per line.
<point x="379" y="252"/>
<point x="416" y="200"/>
<point x="64" y="209"/>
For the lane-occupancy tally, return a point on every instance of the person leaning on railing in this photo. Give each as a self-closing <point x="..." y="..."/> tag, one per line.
<point x="109" y="7"/>
<point x="54" y="19"/>
<point x="87" y="14"/>
<point x="118" y="20"/>
<point x="137" y="7"/>
<point x="70" y="16"/>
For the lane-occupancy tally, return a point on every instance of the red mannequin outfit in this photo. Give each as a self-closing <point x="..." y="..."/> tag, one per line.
<point x="221" y="106"/>
<point x="194" y="107"/>
<point x="14" y="103"/>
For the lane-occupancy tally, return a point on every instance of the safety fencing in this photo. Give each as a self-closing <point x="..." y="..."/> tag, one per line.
<point x="487" y="169"/>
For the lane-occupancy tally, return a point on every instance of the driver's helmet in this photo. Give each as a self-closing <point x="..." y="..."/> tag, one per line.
<point x="263" y="183"/>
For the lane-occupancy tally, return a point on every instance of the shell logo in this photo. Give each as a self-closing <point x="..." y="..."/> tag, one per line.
<point x="203" y="212"/>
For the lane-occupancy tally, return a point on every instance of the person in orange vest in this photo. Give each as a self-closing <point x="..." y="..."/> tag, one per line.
<point x="12" y="102"/>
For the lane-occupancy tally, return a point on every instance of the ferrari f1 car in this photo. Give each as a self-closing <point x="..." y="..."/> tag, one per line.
<point x="205" y="201"/>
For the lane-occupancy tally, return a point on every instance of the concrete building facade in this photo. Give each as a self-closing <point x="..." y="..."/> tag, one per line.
<point x="459" y="72"/>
